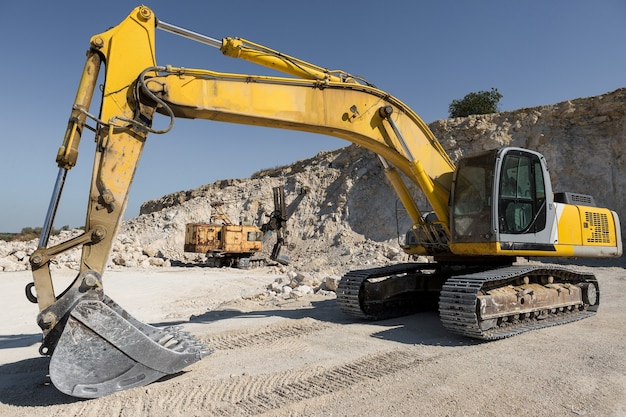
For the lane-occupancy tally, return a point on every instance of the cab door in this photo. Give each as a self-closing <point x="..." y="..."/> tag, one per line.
<point x="525" y="212"/>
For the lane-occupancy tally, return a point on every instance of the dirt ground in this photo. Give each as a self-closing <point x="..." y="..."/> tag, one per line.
<point x="304" y="357"/>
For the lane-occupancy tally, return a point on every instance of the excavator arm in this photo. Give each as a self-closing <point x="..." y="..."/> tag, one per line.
<point x="278" y="221"/>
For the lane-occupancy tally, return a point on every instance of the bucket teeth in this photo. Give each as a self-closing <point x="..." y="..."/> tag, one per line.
<point x="163" y="335"/>
<point x="175" y="339"/>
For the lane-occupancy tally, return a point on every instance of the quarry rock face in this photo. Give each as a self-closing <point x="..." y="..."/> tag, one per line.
<point x="350" y="217"/>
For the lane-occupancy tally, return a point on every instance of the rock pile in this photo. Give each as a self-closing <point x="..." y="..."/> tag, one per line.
<point x="14" y="256"/>
<point x="350" y="217"/>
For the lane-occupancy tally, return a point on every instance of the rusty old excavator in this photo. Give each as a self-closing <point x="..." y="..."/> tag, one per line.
<point x="228" y="244"/>
<point x="486" y="210"/>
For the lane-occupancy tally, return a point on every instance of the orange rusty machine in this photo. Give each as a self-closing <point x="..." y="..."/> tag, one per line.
<point x="224" y="243"/>
<point x="234" y="245"/>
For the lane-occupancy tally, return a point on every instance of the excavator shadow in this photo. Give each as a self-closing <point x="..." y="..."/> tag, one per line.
<point x="325" y="310"/>
<point x="421" y="328"/>
<point x="19" y="340"/>
<point x="26" y="383"/>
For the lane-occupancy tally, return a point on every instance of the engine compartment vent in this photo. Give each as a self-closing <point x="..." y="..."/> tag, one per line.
<point x="599" y="227"/>
<point x="575" y="199"/>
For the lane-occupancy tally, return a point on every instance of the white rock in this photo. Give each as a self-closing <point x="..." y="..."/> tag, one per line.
<point x="331" y="282"/>
<point x="8" y="266"/>
<point x="20" y="255"/>
<point x="301" y="291"/>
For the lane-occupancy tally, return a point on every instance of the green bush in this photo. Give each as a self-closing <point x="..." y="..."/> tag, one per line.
<point x="482" y="102"/>
<point x="28" y="233"/>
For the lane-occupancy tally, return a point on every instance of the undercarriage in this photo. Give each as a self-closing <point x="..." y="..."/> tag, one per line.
<point x="478" y="302"/>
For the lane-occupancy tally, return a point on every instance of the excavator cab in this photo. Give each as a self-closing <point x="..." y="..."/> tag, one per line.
<point x="501" y="196"/>
<point x="500" y="193"/>
<point x="502" y="203"/>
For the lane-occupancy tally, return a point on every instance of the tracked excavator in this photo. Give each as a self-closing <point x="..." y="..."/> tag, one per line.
<point x="222" y="241"/>
<point x="486" y="210"/>
<point x="228" y="244"/>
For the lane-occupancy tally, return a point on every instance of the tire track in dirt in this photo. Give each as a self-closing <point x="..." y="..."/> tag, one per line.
<point x="221" y="394"/>
<point x="259" y="394"/>
<point x="242" y="338"/>
<point x="224" y="396"/>
<point x="256" y="394"/>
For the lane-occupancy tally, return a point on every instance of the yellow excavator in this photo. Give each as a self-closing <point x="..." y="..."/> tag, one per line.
<point x="486" y="210"/>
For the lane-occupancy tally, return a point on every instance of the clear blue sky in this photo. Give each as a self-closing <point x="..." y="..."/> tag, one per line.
<point x="426" y="53"/>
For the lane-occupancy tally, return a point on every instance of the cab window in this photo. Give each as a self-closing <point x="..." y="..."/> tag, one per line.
<point x="522" y="195"/>
<point x="471" y="204"/>
<point x="255" y="236"/>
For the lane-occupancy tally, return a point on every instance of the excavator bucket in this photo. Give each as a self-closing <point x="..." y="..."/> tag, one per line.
<point x="280" y="253"/>
<point x="103" y="349"/>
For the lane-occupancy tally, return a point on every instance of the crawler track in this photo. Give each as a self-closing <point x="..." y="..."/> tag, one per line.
<point x="458" y="302"/>
<point x="354" y="301"/>
<point x="459" y="297"/>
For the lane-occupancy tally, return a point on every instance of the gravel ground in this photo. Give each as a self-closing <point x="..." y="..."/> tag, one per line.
<point x="303" y="357"/>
